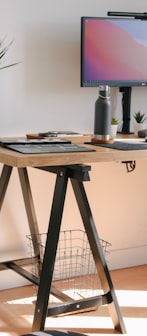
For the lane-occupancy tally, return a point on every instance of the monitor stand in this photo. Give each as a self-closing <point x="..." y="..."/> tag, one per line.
<point x="126" y="108"/>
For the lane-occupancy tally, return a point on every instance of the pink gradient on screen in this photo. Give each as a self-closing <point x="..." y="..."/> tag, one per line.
<point x="111" y="53"/>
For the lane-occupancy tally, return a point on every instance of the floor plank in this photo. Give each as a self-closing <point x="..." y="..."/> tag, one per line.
<point x="17" y="308"/>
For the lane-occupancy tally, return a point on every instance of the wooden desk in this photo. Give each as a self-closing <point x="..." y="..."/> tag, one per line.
<point x="101" y="154"/>
<point x="69" y="166"/>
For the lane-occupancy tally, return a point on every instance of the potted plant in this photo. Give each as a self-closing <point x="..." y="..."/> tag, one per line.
<point x="114" y="125"/>
<point x="3" y="51"/>
<point x="139" y="122"/>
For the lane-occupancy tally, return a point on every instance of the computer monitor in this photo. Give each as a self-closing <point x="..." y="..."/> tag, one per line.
<point x="114" y="53"/>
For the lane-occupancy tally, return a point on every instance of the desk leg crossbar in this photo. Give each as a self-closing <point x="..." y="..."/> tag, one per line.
<point x="77" y="175"/>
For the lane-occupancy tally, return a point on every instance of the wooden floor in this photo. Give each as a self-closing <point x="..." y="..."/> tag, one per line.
<point x="17" y="307"/>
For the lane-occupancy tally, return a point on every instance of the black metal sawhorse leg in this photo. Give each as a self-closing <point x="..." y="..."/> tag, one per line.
<point x="77" y="174"/>
<point x="18" y="265"/>
<point x="4" y="180"/>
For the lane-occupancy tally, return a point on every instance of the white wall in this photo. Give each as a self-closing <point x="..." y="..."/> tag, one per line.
<point x="43" y="93"/>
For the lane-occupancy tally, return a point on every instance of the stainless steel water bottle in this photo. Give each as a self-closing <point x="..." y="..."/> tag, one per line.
<point x="102" y="121"/>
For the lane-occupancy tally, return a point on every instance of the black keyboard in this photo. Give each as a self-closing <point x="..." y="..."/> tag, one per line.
<point x="40" y="148"/>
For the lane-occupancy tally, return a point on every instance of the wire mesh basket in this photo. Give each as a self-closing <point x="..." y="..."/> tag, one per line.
<point x="75" y="272"/>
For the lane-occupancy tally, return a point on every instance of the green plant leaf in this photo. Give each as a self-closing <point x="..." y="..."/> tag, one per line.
<point x="114" y="121"/>
<point x="3" y="51"/>
<point x="139" y="117"/>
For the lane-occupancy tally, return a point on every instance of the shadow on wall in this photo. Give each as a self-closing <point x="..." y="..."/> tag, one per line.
<point x="51" y="61"/>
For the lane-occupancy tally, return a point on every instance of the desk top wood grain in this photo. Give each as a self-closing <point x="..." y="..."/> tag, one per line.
<point x="101" y="154"/>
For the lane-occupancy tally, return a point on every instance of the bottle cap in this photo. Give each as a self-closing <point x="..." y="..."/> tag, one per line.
<point x="104" y="91"/>
<point x="105" y="88"/>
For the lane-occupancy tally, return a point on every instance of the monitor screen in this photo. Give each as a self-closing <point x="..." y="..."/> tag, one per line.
<point x="113" y="52"/>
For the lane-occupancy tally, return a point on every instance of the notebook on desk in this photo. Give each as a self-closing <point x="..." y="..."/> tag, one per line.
<point x="43" y="146"/>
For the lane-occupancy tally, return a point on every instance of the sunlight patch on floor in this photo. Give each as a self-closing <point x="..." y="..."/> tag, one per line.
<point x="90" y="324"/>
<point x="132" y="298"/>
<point x="79" y="322"/>
<point x="6" y="334"/>
<point x="136" y="327"/>
<point x="22" y="301"/>
<point x="126" y="298"/>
